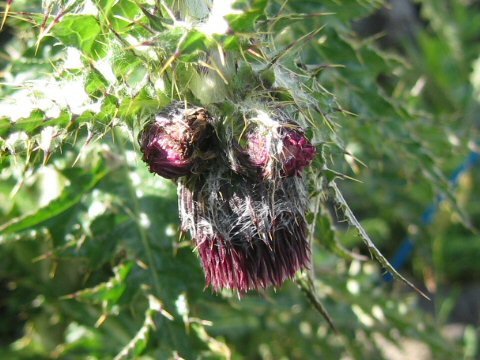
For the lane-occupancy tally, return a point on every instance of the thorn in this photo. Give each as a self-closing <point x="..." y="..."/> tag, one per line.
<point x="45" y="30"/>
<point x="42" y="29"/>
<point x="69" y="296"/>
<point x="308" y="288"/>
<point x="46" y="157"/>
<point x="169" y="62"/>
<point x="5" y="13"/>
<point x="101" y="320"/>
<point x="141" y="264"/>
<point x="304" y="39"/>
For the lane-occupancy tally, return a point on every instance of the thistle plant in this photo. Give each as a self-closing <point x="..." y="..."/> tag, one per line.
<point x="248" y="235"/>
<point x="255" y="115"/>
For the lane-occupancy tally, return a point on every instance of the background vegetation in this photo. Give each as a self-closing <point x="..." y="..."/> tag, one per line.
<point x="91" y="262"/>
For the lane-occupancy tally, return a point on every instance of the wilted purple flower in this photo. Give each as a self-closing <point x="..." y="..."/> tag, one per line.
<point x="249" y="235"/>
<point x="165" y="150"/>
<point x="175" y="140"/>
<point x="250" y="232"/>
<point x="257" y="263"/>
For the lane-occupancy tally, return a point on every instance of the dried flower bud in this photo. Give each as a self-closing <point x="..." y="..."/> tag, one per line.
<point x="257" y="263"/>
<point x="174" y="142"/>
<point x="165" y="150"/>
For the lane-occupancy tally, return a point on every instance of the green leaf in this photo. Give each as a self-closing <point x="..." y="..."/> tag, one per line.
<point x="34" y="123"/>
<point x="28" y="124"/>
<point x="139" y="342"/>
<point x="123" y="14"/>
<point x="157" y="23"/>
<point x="81" y="32"/>
<point x="105" y="6"/>
<point x="195" y="40"/>
<point x="328" y="238"/>
<point x="110" y="291"/>
<point x="95" y="84"/>
<point x="81" y="183"/>
<point x="246" y="21"/>
<point x="142" y="105"/>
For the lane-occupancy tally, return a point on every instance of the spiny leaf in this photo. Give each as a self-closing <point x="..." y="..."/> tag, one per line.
<point x="81" y="183"/>
<point x="306" y="284"/>
<point x="81" y="32"/>
<point x="139" y="342"/>
<point x="34" y="123"/>
<point x="217" y="347"/>
<point x="105" y="6"/>
<point x="157" y="23"/>
<point x="340" y="202"/>
<point x="109" y="291"/>
<point x="295" y="44"/>
<point x="246" y="21"/>
<point x="330" y="241"/>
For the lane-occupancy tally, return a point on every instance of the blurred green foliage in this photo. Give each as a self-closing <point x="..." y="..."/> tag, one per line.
<point x="91" y="261"/>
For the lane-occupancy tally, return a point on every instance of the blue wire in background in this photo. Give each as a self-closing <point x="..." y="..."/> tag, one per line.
<point x="407" y="245"/>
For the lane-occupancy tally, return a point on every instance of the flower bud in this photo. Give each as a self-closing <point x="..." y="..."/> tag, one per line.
<point x="297" y="152"/>
<point x="256" y="263"/>
<point x="174" y="144"/>
<point x="287" y="152"/>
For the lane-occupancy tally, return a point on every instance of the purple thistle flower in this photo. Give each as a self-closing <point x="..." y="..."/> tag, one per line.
<point x="255" y="265"/>
<point x="250" y="232"/>
<point x="175" y="140"/>
<point x="249" y="235"/>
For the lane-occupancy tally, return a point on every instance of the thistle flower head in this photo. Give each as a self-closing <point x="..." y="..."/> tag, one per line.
<point x="249" y="235"/>
<point x="164" y="151"/>
<point x="173" y="142"/>
<point x="250" y="232"/>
